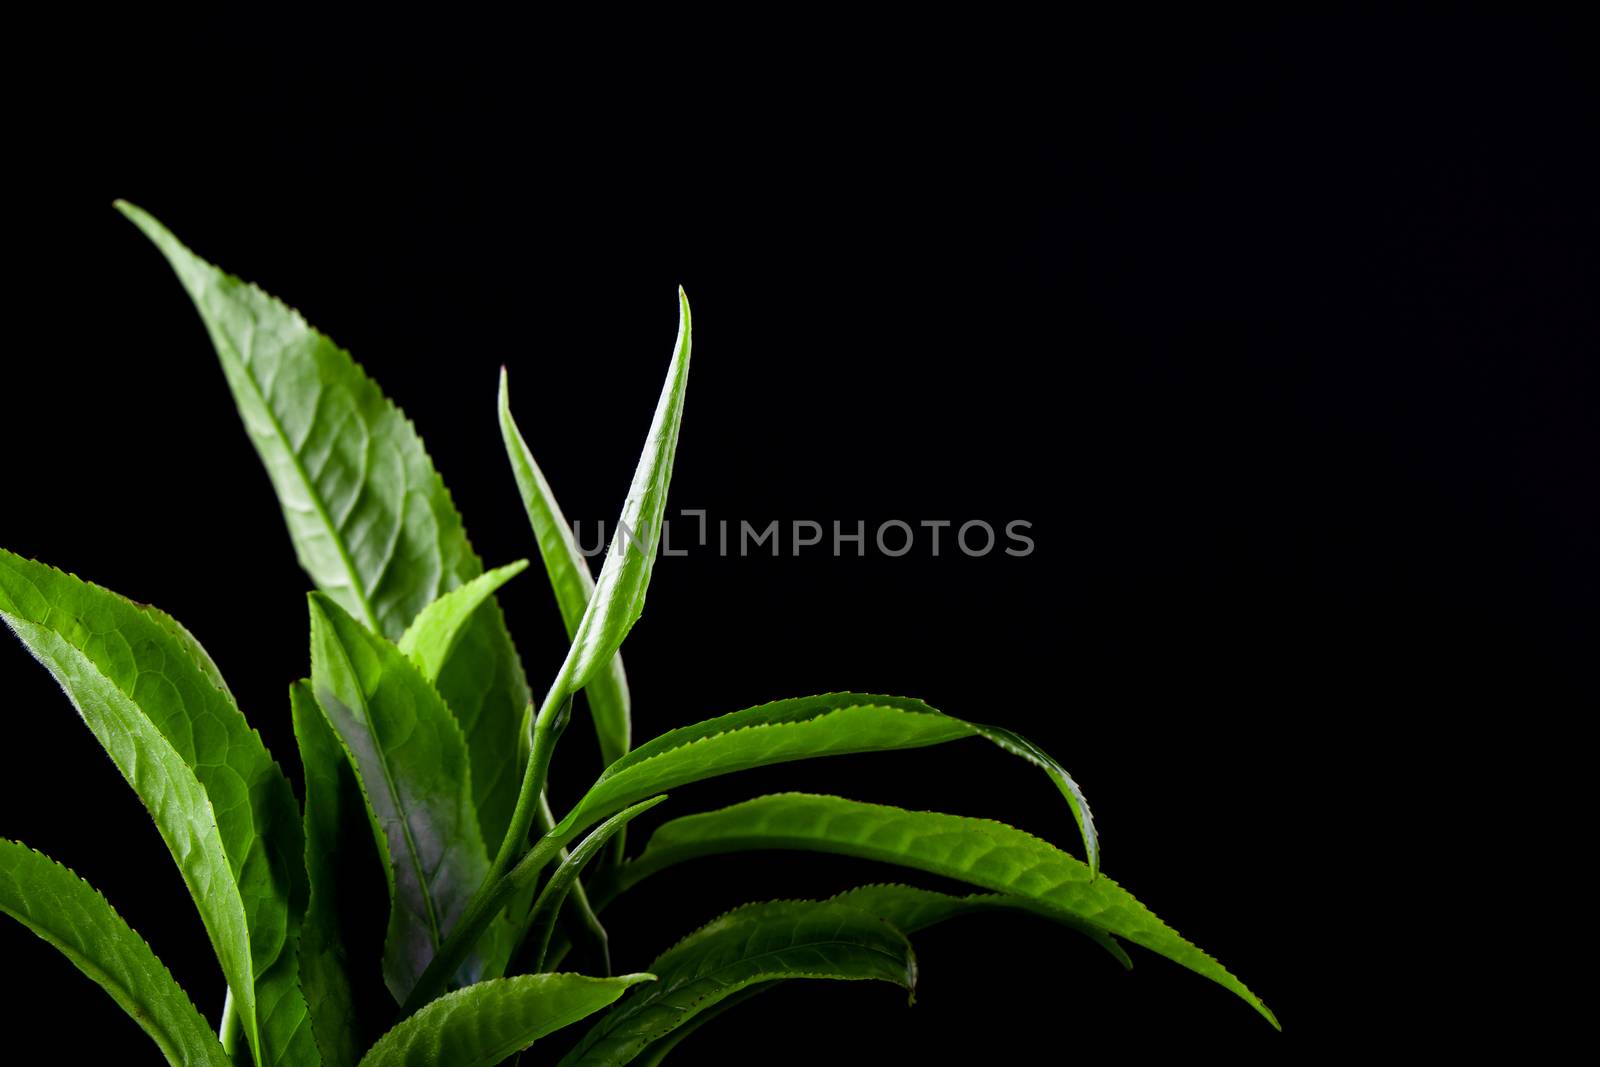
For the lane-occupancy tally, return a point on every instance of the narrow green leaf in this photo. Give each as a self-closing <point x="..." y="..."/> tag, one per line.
<point x="656" y="1052"/>
<point x="785" y="730"/>
<point x="755" y="943"/>
<point x="774" y="733"/>
<point x="432" y="635"/>
<point x="619" y="593"/>
<point x="984" y="853"/>
<point x="548" y="906"/>
<point x="615" y="605"/>
<point x="909" y="909"/>
<point x="483" y="1024"/>
<point x="66" y="911"/>
<point x="906" y="909"/>
<point x="412" y="762"/>
<point x="225" y="810"/>
<point x="371" y="521"/>
<point x="333" y="803"/>
<point x="568" y="569"/>
<point x="483" y="684"/>
<point x="1018" y="745"/>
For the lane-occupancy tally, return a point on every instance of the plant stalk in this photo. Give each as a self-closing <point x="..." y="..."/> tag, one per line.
<point x="533" y="777"/>
<point x="231" y="1032"/>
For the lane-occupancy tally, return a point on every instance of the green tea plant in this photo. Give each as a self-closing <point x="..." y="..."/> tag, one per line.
<point x="423" y="750"/>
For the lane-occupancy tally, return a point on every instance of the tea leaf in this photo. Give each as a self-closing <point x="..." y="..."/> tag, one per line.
<point x="802" y="728"/>
<point x="483" y="685"/>
<point x="67" y="912"/>
<point x="483" y="1024"/>
<point x="752" y="944"/>
<point x="548" y="906"/>
<point x="618" y="598"/>
<point x="909" y="910"/>
<point x="221" y="804"/>
<point x="906" y="909"/>
<point x="369" y="517"/>
<point x="432" y="635"/>
<point x="984" y="853"/>
<point x="412" y="762"/>
<point x="607" y="691"/>
<point x="614" y="607"/>
<point x="333" y="797"/>
<point x="371" y="521"/>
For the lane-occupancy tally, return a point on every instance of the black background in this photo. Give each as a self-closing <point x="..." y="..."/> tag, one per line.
<point x="1281" y="335"/>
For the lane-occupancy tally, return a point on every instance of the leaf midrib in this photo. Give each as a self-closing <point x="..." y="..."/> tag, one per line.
<point x="334" y="536"/>
<point x="394" y="794"/>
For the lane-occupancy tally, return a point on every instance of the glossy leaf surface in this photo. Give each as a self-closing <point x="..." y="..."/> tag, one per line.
<point x="753" y="944"/>
<point x="484" y="1023"/>
<point x="607" y="691"/>
<point x="333" y="803"/>
<point x="412" y="763"/>
<point x="978" y="851"/>
<point x="370" y="519"/>
<point x="66" y="911"/>
<point x="618" y="598"/>
<point x="433" y="635"/>
<point x="905" y="908"/>
<point x="802" y="728"/>
<point x="225" y="810"/>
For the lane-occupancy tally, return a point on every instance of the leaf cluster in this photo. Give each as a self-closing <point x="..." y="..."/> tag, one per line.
<point x="425" y="752"/>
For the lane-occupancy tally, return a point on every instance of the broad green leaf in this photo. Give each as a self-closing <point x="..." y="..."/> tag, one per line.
<point x="66" y="911"/>
<point x="753" y="944"/>
<point x="432" y="635"/>
<point x="412" y="762"/>
<point x="548" y="906"/>
<point x="619" y="594"/>
<point x="830" y="724"/>
<point x="483" y="1024"/>
<point x="981" y="852"/>
<point x="221" y="804"/>
<point x="568" y="569"/>
<point x="333" y="803"/>
<point x="192" y="647"/>
<point x="483" y="684"/>
<point x="371" y="521"/>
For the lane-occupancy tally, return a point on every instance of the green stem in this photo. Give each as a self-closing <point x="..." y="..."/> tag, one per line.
<point x="533" y="778"/>
<point x="231" y="1032"/>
